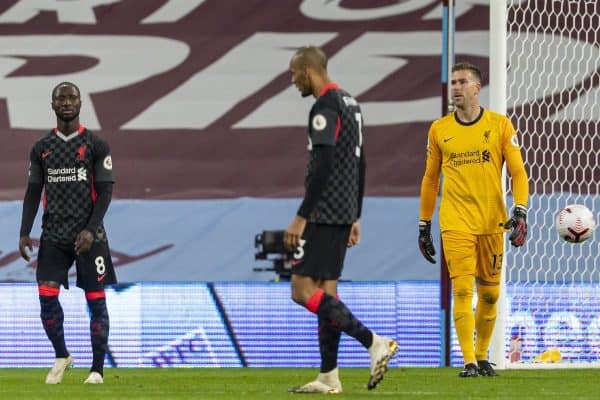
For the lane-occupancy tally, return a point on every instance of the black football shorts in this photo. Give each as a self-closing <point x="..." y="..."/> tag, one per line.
<point x="322" y="251"/>
<point x="94" y="267"/>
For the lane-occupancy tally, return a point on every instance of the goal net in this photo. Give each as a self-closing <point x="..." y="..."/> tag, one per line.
<point x="553" y="99"/>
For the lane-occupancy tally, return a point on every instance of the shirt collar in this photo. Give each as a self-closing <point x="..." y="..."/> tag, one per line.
<point x="329" y="86"/>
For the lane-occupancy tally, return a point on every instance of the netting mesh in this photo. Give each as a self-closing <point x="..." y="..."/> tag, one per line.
<point x="553" y="99"/>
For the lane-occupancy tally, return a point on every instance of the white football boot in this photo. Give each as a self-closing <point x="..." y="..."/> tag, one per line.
<point x="94" y="378"/>
<point x="382" y="350"/>
<point x="57" y="371"/>
<point x="328" y="383"/>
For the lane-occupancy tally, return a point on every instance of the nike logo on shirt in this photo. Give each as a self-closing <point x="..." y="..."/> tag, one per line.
<point x="450" y="138"/>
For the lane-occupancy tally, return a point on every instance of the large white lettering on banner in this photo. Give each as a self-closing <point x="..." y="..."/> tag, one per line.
<point x="122" y="61"/>
<point x="265" y="55"/>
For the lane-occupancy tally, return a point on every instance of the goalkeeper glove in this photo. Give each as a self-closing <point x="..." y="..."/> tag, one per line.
<point x="518" y="224"/>
<point x="426" y="241"/>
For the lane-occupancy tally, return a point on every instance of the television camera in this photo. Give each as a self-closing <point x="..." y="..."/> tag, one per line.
<point x="269" y="246"/>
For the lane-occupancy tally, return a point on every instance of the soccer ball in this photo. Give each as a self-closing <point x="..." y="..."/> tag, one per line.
<point x="575" y="223"/>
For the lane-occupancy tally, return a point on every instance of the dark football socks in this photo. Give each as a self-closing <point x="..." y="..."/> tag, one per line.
<point x="99" y="326"/>
<point x="339" y="317"/>
<point x="52" y="317"/>
<point x="329" y="341"/>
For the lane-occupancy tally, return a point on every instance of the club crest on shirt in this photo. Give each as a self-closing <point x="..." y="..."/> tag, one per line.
<point x="81" y="152"/>
<point x="486" y="136"/>
<point x="319" y="122"/>
<point x="107" y="162"/>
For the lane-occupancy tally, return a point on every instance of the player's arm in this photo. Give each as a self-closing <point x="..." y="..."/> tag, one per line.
<point x="323" y="165"/>
<point x="103" y="183"/>
<point x="103" y="180"/>
<point x="104" y="192"/>
<point x="362" y="170"/>
<point x="322" y="170"/>
<point x="429" y="190"/>
<point x="324" y="128"/>
<point x="520" y="180"/>
<point x="354" y="237"/>
<point x="520" y="187"/>
<point x="31" y="202"/>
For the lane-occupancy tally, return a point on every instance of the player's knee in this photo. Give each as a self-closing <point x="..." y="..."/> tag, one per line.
<point x="489" y="298"/>
<point x="462" y="287"/>
<point x="297" y="298"/>
<point x="462" y="292"/>
<point x="489" y="294"/>
<point x="299" y="295"/>
<point x="302" y="289"/>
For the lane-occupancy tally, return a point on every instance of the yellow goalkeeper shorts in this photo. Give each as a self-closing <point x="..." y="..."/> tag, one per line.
<point x="477" y="255"/>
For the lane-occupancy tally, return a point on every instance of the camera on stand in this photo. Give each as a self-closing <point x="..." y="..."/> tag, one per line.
<point x="269" y="246"/>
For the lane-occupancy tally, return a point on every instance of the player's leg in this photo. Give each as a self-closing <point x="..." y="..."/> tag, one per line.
<point x="460" y="251"/>
<point x="489" y="268"/>
<point x="329" y="340"/>
<point x="309" y="274"/>
<point x="328" y="379"/>
<point x="339" y="317"/>
<point x="99" y="327"/>
<point x="94" y="271"/>
<point x="329" y="336"/>
<point x="322" y="259"/>
<point x="53" y="265"/>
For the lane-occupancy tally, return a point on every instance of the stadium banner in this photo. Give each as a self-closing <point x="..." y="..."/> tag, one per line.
<point x="195" y="98"/>
<point x="214" y="240"/>
<point x="192" y="109"/>
<point x="257" y="324"/>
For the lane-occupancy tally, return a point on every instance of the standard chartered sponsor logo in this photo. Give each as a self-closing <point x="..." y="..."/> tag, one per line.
<point x="59" y="175"/>
<point x="465" y="154"/>
<point x="61" y="171"/>
<point x="469" y="157"/>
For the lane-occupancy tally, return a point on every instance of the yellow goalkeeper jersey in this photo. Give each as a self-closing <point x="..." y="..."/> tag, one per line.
<point x="470" y="157"/>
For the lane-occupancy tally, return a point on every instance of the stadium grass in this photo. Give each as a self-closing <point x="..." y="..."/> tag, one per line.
<point x="272" y="383"/>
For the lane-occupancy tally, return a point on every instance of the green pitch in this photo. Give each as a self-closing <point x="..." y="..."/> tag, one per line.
<point x="263" y="384"/>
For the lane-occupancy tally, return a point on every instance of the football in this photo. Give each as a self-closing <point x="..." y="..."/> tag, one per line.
<point x="575" y="223"/>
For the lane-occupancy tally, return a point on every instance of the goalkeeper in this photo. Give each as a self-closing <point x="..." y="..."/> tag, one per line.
<point x="469" y="146"/>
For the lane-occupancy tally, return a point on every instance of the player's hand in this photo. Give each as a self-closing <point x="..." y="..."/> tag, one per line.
<point x="426" y="241"/>
<point x="293" y="233"/>
<point x="84" y="241"/>
<point x="354" y="237"/>
<point x="518" y="224"/>
<point x="25" y="242"/>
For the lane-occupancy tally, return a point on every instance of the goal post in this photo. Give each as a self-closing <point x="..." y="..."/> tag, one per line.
<point x="545" y="75"/>
<point x="497" y="103"/>
<point x="446" y="331"/>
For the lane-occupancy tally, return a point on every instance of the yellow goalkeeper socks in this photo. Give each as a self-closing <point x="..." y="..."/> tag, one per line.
<point x="485" y="318"/>
<point x="464" y="320"/>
